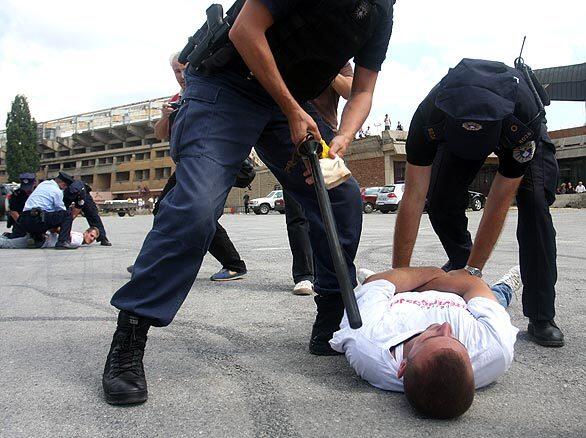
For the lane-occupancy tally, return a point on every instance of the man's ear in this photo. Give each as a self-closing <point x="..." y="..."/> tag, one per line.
<point x="402" y="367"/>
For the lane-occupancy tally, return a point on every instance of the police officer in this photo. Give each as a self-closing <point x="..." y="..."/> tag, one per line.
<point x="19" y="196"/>
<point x="283" y="54"/>
<point x="44" y="210"/>
<point x="84" y="203"/>
<point x="478" y="108"/>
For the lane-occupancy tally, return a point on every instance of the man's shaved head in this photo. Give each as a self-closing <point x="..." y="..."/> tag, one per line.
<point x="437" y="374"/>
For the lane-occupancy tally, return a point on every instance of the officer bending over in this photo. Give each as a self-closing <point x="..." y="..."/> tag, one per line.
<point x="79" y="193"/>
<point x="45" y="210"/>
<point x="282" y="54"/>
<point x="478" y="108"/>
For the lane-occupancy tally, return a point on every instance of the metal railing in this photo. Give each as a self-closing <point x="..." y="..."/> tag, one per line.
<point x="145" y="111"/>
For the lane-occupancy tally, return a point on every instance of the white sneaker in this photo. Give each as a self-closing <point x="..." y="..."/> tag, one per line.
<point x="512" y="278"/>
<point x="363" y="274"/>
<point x="304" y="287"/>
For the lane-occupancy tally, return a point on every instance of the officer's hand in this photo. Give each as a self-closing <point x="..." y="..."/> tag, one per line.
<point x="339" y="145"/>
<point x="166" y="110"/>
<point x="300" y="124"/>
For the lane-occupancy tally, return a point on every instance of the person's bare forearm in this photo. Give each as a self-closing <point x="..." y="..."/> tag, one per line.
<point x="495" y="212"/>
<point x="251" y="43"/>
<point x="406" y="230"/>
<point x="408" y="279"/>
<point x="343" y="86"/>
<point x="459" y="283"/>
<point x="162" y="129"/>
<point x="409" y="216"/>
<point x="355" y="113"/>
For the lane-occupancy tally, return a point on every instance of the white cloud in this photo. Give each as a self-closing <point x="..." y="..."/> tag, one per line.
<point x="69" y="57"/>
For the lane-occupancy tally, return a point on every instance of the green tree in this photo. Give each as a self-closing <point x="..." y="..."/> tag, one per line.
<point x="21" y="140"/>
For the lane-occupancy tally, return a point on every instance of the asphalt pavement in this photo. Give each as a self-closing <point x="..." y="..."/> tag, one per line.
<point x="234" y="363"/>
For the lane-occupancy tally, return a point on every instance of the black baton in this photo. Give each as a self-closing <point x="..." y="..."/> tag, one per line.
<point x="309" y="149"/>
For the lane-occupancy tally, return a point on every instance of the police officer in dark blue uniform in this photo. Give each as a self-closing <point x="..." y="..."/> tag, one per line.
<point x="18" y="198"/>
<point x="86" y="205"/>
<point x="282" y="53"/>
<point x="478" y="108"/>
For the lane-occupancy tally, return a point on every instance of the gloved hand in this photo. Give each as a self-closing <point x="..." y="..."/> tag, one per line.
<point x="334" y="170"/>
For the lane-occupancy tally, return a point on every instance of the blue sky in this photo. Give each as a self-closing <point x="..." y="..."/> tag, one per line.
<point x="69" y="57"/>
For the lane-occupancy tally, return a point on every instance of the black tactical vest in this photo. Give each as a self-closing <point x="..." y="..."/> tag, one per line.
<point x="312" y="45"/>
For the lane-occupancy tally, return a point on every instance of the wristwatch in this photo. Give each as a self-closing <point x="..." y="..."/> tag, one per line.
<point x="473" y="271"/>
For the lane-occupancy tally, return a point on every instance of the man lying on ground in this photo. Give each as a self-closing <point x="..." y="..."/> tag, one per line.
<point x="78" y="239"/>
<point x="432" y="335"/>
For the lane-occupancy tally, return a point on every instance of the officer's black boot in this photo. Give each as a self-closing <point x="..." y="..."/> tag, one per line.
<point x="330" y="310"/>
<point x="105" y="242"/>
<point x="124" y="381"/>
<point x="545" y="333"/>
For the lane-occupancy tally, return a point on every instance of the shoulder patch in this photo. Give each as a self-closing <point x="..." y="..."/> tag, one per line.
<point x="525" y="153"/>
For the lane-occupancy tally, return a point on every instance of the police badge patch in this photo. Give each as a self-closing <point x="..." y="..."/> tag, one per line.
<point x="524" y="153"/>
<point x="362" y="9"/>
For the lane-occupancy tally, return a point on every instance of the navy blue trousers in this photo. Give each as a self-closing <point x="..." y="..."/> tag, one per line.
<point x="222" y="117"/>
<point x="536" y="235"/>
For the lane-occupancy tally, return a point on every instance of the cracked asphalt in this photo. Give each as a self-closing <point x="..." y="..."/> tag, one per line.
<point x="234" y="363"/>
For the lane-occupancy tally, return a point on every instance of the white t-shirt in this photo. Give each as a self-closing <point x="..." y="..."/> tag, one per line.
<point x="388" y="320"/>
<point x="51" y="239"/>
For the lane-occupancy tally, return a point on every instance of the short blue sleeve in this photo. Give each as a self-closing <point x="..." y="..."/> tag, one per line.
<point x="279" y="8"/>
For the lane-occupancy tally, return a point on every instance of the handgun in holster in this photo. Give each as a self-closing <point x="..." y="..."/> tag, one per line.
<point x="211" y="37"/>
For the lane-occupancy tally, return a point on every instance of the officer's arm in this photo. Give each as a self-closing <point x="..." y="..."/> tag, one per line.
<point x="356" y="110"/>
<point x="343" y="85"/>
<point x="497" y="205"/>
<point x="14" y="215"/>
<point x="75" y="211"/>
<point x="248" y="36"/>
<point x="162" y="129"/>
<point x="407" y="226"/>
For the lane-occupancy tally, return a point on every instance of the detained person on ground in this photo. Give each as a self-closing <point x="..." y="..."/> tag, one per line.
<point x="50" y="239"/>
<point x="433" y="335"/>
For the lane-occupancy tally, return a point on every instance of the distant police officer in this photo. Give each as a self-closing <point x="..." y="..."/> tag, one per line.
<point x="282" y="54"/>
<point x="19" y="197"/>
<point x="44" y="210"/>
<point x="82" y="198"/>
<point x="478" y="108"/>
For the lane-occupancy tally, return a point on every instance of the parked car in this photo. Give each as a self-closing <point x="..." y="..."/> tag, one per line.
<point x="369" y="195"/>
<point x="266" y="204"/>
<point x="280" y="205"/>
<point x="120" y="207"/>
<point x="476" y="200"/>
<point x="389" y="198"/>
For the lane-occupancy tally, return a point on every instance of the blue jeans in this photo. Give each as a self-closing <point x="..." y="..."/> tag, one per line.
<point x="222" y="117"/>
<point x="503" y="293"/>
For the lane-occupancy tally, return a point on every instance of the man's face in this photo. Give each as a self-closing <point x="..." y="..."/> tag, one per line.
<point x="434" y="338"/>
<point x="178" y="70"/>
<point x="62" y="184"/>
<point x="90" y="237"/>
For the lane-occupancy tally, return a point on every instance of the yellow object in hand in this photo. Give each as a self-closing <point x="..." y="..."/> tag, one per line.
<point x="325" y="149"/>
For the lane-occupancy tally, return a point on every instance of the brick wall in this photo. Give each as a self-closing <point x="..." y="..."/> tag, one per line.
<point x="570" y="132"/>
<point x="369" y="172"/>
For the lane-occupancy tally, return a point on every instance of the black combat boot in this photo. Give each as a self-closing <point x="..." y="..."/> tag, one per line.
<point x="545" y="333"/>
<point x="330" y="310"/>
<point x="124" y="381"/>
<point x="105" y="242"/>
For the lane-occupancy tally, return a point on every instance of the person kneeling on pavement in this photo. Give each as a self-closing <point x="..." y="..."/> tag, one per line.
<point x="434" y="336"/>
<point x="44" y="210"/>
<point x="50" y="239"/>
